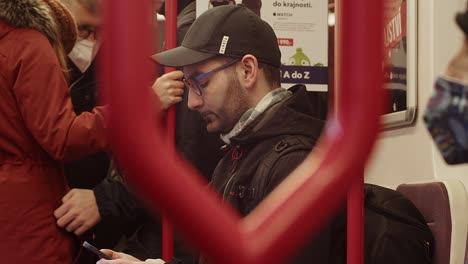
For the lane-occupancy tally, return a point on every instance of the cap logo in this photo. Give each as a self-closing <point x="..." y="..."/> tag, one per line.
<point x="222" y="47"/>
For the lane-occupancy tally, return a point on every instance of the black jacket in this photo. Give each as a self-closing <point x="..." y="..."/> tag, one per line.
<point x="239" y="178"/>
<point x="295" y="116"/>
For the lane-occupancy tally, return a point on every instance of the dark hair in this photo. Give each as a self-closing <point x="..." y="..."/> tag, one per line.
<point x="462" y="21"/>
<point x="90" y="5"/>
<point x="181" y="4"/>
<point x="272" y="74"/>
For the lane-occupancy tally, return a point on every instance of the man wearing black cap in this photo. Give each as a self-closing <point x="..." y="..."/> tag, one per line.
<point x="231" y="68"/>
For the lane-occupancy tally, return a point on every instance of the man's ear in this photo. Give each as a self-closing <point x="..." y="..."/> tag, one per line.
<point x="249" y="71"/>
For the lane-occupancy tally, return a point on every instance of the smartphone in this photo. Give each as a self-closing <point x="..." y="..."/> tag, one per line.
<point x="96" y="251"/>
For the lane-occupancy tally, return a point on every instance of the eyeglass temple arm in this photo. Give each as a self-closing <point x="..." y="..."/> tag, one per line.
<point x="206" y="74"/>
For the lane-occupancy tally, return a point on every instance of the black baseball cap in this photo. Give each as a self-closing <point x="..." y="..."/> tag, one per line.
<point x="228" y="30"/>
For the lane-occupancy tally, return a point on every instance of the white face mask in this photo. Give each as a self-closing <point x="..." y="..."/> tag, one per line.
<point x="83" y="54"/>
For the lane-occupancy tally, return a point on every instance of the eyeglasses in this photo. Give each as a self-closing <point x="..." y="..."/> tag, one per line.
<point x="193" y="83"/>
<point x="84" y="31"/>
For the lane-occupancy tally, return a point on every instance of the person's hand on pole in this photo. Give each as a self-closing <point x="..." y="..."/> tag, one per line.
<point x="169" y="88"/>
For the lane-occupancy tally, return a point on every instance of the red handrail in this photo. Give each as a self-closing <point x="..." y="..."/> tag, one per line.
<point x="303" y="202"/>
<point x="170" y="43"/>
<point x="355" y="230"/>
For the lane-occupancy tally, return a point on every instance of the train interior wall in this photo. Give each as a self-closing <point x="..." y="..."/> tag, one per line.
<point x="408" y="154"/>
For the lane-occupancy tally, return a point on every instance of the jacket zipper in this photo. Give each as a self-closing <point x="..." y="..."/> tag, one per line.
<point x="236" y="154"/>
<point x="227" y="185"/>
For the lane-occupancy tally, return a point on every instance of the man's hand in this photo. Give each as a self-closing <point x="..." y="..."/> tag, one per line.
<point x="78" y="212"/>
<point x="121" y="258"/>
<point x="169" y="88"/>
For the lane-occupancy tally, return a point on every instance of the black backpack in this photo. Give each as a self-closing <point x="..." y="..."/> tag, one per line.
<point x="395" y="231"/>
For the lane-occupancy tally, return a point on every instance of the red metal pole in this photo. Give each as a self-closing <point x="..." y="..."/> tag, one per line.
<point x="300" y="204"/>
<point x="352" y="26"/>
<point x="170" y="43"/>
<point x="355" y="246"/>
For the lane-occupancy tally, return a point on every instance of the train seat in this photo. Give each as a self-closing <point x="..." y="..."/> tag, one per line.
<point x="444" y="205"/>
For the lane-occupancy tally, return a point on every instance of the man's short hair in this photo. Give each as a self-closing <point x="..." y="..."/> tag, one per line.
<point x="272" y="74"/>
<point x="462" y="21"/>
<point x="90" y="5"/>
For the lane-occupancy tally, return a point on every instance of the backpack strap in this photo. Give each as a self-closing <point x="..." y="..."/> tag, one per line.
<point x="283" y="146"/>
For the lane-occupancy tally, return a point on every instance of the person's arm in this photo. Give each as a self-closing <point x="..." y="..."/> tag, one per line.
<point x="82" y="209"/>
<point x="43" y="100"/>
<point x="115" y="201"/>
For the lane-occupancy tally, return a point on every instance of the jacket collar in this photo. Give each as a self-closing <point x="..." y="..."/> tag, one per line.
<point x="297" y="115"/>
<point x="32" y="14"/>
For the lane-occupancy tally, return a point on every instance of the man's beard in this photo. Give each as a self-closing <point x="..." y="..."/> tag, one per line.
<point x="236" y="104"/>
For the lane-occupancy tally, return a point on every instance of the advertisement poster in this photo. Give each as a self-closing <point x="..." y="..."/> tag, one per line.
<point x="395" y="39"/>
<point x="302" y="30"/>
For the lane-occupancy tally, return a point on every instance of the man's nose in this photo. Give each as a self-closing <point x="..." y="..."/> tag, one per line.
<point x="194" y="101"/>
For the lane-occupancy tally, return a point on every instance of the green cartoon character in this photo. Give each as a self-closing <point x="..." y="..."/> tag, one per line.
<point x="299" y="59"/>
